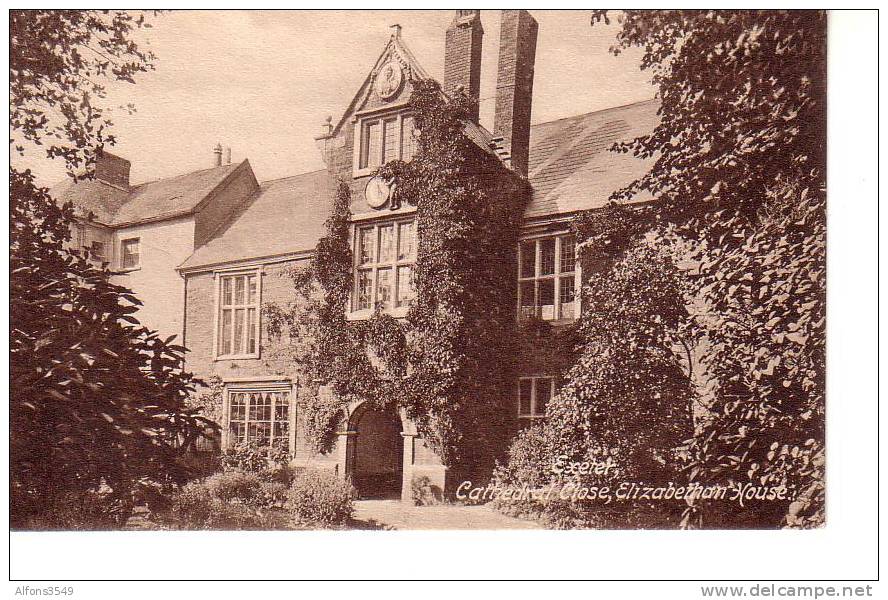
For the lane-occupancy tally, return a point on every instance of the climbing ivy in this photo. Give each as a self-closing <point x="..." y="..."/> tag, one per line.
<point x="448" y="364"/>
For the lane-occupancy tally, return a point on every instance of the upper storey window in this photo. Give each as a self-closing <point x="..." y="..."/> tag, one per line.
<point x="547" y="278"/>
<point x="383" y="139"/>
<point x="237" y="333"/>
<point x="130" y="254"/>
<point x="384" y="257"/>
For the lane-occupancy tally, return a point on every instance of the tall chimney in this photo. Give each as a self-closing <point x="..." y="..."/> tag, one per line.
<point x="462" y="55"/>
<point x="217" y="155"/>
<point x="514" y="85"/>
<point x="112" y="169"/>
<point x="227" y="155"/>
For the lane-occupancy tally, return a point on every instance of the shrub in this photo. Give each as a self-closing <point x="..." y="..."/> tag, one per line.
<point x="197" y="506"/>
<point x="424" y="493"/>
<point x="235" y="485"/>
<point x="84" y="511"/>
<point x="272" y="494"/>
<point x="530" y="459"/>
<point x="321" y="498"/>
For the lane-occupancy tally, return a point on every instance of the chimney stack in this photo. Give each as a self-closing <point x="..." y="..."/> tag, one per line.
<point x="227" y="155"/>
<point x="514" y="85"/>
<point x="112" y="169"/>
<point x="462" y="55"/>
<point x="217" y="155"/>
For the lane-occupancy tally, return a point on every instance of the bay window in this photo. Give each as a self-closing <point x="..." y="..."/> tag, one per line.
<point x="261" y="415"/>
<point x="547" y="278"/>
<point x="237" y="332"/>
<point x="384" y="257"/>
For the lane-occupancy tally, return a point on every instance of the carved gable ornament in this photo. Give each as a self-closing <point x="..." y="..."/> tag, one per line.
<point x="389" y="79"/>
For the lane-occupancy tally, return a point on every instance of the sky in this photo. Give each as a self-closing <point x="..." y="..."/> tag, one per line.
<point x="263" y="82"/>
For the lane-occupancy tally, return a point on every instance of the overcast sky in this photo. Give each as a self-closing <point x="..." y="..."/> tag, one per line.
<point x="263" y="82"/>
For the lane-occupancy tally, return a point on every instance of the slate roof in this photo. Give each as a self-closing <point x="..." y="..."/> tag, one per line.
<point x="571" y="167"/>
<point x="285" y="216"/>
<point x="153" y="200"/>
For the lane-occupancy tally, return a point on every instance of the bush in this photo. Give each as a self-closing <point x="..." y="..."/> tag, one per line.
<point x="424" y="493"/>
<point x="252" y="458"/>
<point x="321" y="498"/>
<point x="235" y="485"/>
<point x="197" y="506"/>
<point x="530" y="459"/>
<point x="87" y="511"/>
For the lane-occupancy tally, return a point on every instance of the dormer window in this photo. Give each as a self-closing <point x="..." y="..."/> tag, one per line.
<point x="382" y="139"/>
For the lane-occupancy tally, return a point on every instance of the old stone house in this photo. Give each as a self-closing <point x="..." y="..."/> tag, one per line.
<point x="214" y="245"/>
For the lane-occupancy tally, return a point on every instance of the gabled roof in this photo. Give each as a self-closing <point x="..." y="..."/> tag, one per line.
<point x="151" y="201"/>
<point x="395" y="48"/>
<point x="286" y="216"/>
<point x="571" y="169"/>
<point x="571" y="165"/>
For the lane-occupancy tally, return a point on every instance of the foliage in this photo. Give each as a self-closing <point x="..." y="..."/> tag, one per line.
<point x="198" y="506"/>
<point x="59" y="61"/>
<point x="321" y="498"/>
<point x="81" y="511"/>
<point x="529" y="459"/>
<point x="231" y="485"/>
<point x="96" y="400"/>
<point x="628" y="396"/>
<point x="443" y="362"/>
<point x="252" y="457"/>
<point x="740" y="173"/>
<point x="423" y="493"/>
<point x="97" y="403"/>
<point x="468" y="216"/>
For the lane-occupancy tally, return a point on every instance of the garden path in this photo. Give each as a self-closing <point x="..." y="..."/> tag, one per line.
<point x="393" y="514"/>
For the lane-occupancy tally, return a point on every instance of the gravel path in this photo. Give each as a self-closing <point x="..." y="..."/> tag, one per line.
<point x="393" y="514"/>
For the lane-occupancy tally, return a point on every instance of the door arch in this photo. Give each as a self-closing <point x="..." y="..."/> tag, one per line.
<point x="375" y="452"/>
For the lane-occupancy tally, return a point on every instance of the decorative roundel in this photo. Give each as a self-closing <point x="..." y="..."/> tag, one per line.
<point x="389" y="79"/>
<point x="377" y="192"/>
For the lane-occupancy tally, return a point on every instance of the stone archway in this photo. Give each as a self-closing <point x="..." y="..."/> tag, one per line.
<point x="375" y="452"/>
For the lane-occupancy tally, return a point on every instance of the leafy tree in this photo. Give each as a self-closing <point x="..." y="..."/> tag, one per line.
<point x="59" y="62"/>
<point x="97" y="403"/>
<point x="740" y="170"/>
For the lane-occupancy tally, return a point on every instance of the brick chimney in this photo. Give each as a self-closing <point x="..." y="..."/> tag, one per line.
<point x="514" y="85"/>
<point x="112" y="169"/>
<point x="462" y="55"/>
<point x="217" y="155"/>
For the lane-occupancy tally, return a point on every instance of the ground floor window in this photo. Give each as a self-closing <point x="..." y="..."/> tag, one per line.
<point x="262" y="416"/>
<point x="534" y="394"/>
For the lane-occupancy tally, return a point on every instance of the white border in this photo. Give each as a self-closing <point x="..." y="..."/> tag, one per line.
<point x="844" y="549"/>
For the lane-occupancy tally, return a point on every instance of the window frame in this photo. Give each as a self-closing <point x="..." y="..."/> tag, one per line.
<point x="534" y="379"/>
<point x="359" y="169"/>
<point x="219" y="277"/>
<point x="123" y="242"/>
<point x="394" y="264"/>
<point x="259" y="386"/>
<point x="99" y="257"/>
<point x="556" y="276"/>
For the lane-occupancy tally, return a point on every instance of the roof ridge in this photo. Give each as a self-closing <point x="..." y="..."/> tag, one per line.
<point x="593" y="112"/>
<point x="185" y="174"/>
<point x="261" y="183"/>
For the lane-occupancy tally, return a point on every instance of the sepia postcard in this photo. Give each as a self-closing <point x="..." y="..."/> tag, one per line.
<point x="418" y="270"/>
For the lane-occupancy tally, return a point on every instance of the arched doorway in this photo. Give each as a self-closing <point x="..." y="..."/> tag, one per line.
<point x="376" y="453"/>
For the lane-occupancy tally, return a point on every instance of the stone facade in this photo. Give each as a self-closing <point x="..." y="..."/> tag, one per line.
<point x="231" y="227"/>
